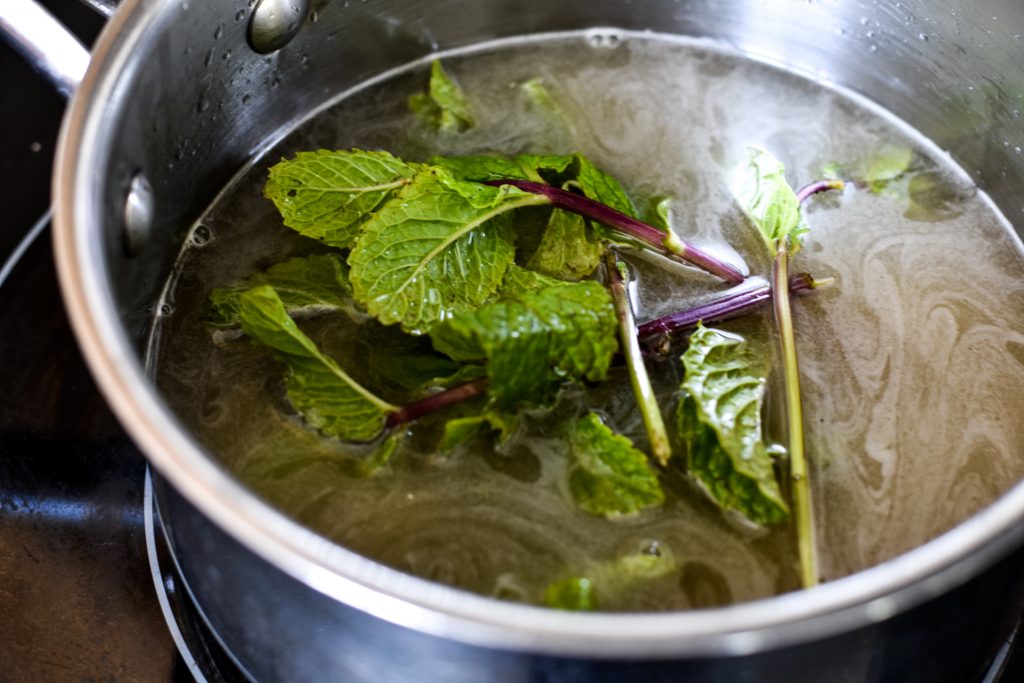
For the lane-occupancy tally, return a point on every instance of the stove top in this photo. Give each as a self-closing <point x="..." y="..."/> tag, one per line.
<point x="76" y="591"/>
<point x="80" y="544"/>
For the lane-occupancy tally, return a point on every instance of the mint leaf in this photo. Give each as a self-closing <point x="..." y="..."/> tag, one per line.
<point x="760" y="187"/>
<point x="608" y="476"/>
<point x="439" y="247"/>
<point x="720" y="422"/>
<point x="403" y="367"/>
<point x="485" y="167"/>
<point x="575" y="593"/>
<point x="601" y="187"/>
<point x="519" y="280"/>
<point x="535" y="340"/>
<point x="660" y="214"/>
<point x="444" y="105"/>
<point x="887" y="165"/>
<point x="325" y="195"/>
<point x="305" y="285"/>
<point x="326" y="397"/>
<point x="569" y="249"/>
<point x="481" y="168"/>
<point x="461" y="429"/>
<point x="606" y="583"/>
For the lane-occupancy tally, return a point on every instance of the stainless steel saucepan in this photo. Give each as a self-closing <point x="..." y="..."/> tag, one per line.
<point x="178" y="96"/>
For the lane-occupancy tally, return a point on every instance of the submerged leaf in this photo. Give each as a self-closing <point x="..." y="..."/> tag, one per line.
<point x="608" y="582"/>
<point x="444" y="104"/>
<point x="720" y="422"/>
<point x="607" y="475"/>
<point x="305" y="285"/>
<point x="569" y="249"/>
<point x="461" y="429"/>
<point x="326" y="195"/>
<point x="535" y="340"/>
<point x="886" y="166"/>
<point x="321" y="391"/>
<point x="438" y="248"/>
<point x="575" y="594"/>
<point x="760" y="187"/>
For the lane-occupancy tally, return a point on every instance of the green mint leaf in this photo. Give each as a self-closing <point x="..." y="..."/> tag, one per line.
<point x="760" y="187"/>
<point x="486" y="167"/>
<point x="607" y="475"/>
<point x="601" y="187"/>
<point x="326" y="195"/>
<point x="405" y="367"/>
<point x="660" y="214"/>
<point x="575" y="593"/>
<point x="608" y="582"/>
<point x="549" y="167"/>
<point x="519" y="280"/>
<point x="481" y="168"/>
<point x="444" y="105"/>
<point x="720" y="422"/>
<point x="539" y="96"/>
<point x="305" y="285"/>
<point x="461" y="429"/>
<point x="535" y="341"/>
<point x="887" y="165"/>
<point x="933" y="197"/>
<point x="569" y="249"/>
<point x="439" y="247"/>
<point x="327" y="398"/>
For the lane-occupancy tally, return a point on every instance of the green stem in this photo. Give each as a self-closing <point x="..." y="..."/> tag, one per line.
<point x="653" y="422"/>
<point x="802" y="507"/>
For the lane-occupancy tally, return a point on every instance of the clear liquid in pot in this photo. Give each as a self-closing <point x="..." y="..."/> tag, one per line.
<point x="911" y="364"/>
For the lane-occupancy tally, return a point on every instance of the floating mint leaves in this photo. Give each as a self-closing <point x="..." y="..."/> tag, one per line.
<point x="719" y="420"/>
<point x="534" y="340"/>
<point x="444" y="105"/>
<point x="771" y="204"/>
<point x="438" y="248"/>
<point x="305" y="285"/>
<point x="325" y="195"/>
<point x="607" y="475"/>
<point x="605" y="583"/>
<point x="321" y="391"/>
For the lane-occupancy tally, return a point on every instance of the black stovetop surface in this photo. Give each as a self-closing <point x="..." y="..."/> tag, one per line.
<point x="77" y="601"/>
<point x="77" y="597"/>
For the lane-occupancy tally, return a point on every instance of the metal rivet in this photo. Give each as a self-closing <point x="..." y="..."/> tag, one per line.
<point x="138" y="214"/>
<point x="275" y="22"/>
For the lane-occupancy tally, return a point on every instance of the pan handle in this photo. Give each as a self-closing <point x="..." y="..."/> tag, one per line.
<point x="45" y="42"/>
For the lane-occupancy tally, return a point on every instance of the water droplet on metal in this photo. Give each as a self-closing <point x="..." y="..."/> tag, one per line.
<point x="138" y="214"/>
<point x="275" y="23"/>
<point x="201" y="235"/>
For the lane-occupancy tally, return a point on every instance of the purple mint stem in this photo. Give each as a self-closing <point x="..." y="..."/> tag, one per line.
<point x="578" y="204"/>
<point x="733" y="303"/>
<point x="808" y="191"/>
<point x="435" y="402"/>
